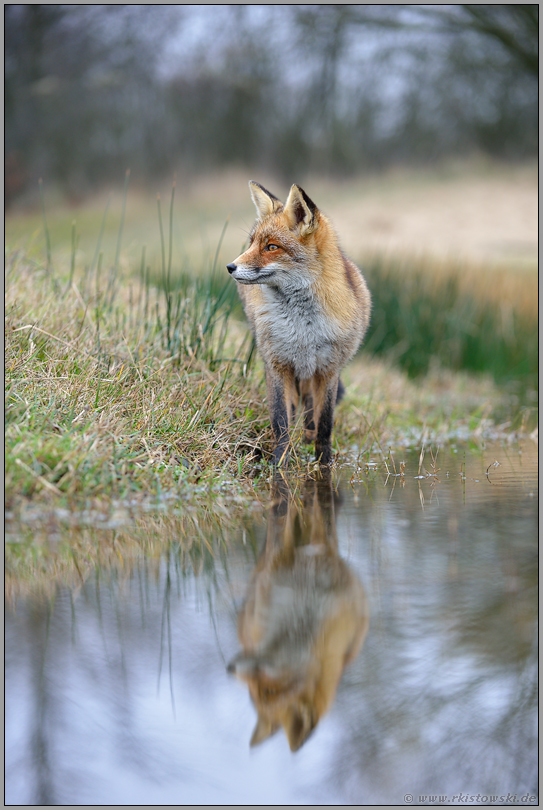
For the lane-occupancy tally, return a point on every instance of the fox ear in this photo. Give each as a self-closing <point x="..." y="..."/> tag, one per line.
<point x="299" y="724"/>
<point x="301" y="211"/>
<point x="263" y="730"/>
<point x="265" y="202"/>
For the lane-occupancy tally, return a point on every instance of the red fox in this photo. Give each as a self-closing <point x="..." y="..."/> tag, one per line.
<point x="304" y="619"/>
<point x="308" y="306"/>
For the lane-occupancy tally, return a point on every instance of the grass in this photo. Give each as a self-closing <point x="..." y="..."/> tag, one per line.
<point x="137" y="381"/>
<point x="62" y="548"/>
<point x="105" y="397"/>
<point x="421" y="317"/>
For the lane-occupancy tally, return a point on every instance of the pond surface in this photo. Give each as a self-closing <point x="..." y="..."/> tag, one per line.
<point x="385" y="628"/>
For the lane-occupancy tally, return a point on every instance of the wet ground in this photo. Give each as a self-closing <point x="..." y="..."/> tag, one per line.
<point x="363" y="639"/>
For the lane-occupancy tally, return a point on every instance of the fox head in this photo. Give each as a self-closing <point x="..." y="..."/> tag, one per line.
<point x="284" y="699"/>
<point x="284" y="241"/>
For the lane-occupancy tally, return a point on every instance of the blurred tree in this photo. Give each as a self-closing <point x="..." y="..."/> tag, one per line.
<point x="223" y="107"/>
<point x="516" y="27"/>
<point x="83" y="99"/>
<point x="466" y="79"/>
<point x="93" y="90"/>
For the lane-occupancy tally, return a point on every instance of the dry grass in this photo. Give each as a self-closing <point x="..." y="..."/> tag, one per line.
<point x="98" y="407"/>
<point x="110" y="401"/>
<point x="510" y="287"/>
<point x="475" y="212"/>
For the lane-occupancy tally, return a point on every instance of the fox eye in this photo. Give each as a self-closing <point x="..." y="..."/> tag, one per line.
<point x="272" y="247"/>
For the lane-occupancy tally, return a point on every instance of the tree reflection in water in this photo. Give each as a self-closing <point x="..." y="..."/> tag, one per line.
<point x="116" y="689"/>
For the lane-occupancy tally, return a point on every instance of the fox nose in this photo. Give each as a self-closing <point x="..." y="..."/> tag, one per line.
<point x="231" y="267"/>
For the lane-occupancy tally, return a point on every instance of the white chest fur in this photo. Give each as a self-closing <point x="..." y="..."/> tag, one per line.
<point x="293" y="330"/>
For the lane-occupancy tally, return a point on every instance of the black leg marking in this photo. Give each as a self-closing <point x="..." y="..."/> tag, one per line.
<point x="323" y="443"/>
<point x="340" y="391"/>
<point x="279" y="421"/>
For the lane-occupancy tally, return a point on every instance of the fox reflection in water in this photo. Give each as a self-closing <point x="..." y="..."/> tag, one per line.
<point x="304" y="618"/>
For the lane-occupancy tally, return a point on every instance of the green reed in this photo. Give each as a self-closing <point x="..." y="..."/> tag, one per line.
<point x="418" y="321"/>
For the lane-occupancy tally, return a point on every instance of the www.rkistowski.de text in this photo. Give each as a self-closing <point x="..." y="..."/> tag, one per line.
<point x="469" y="798"/>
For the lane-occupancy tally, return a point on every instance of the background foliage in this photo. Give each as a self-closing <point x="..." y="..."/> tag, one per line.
<point x="338" y="88"/>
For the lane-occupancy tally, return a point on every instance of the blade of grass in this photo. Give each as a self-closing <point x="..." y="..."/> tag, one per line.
<point x="99" y="242"/>
<point x="46" y="229"/>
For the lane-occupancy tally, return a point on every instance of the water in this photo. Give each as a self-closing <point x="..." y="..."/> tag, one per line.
<point x="118" y="689"/>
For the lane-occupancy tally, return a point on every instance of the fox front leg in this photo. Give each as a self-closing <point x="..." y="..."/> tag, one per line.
<point x="282" y="398"/>
<point x="324" y="403"/>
